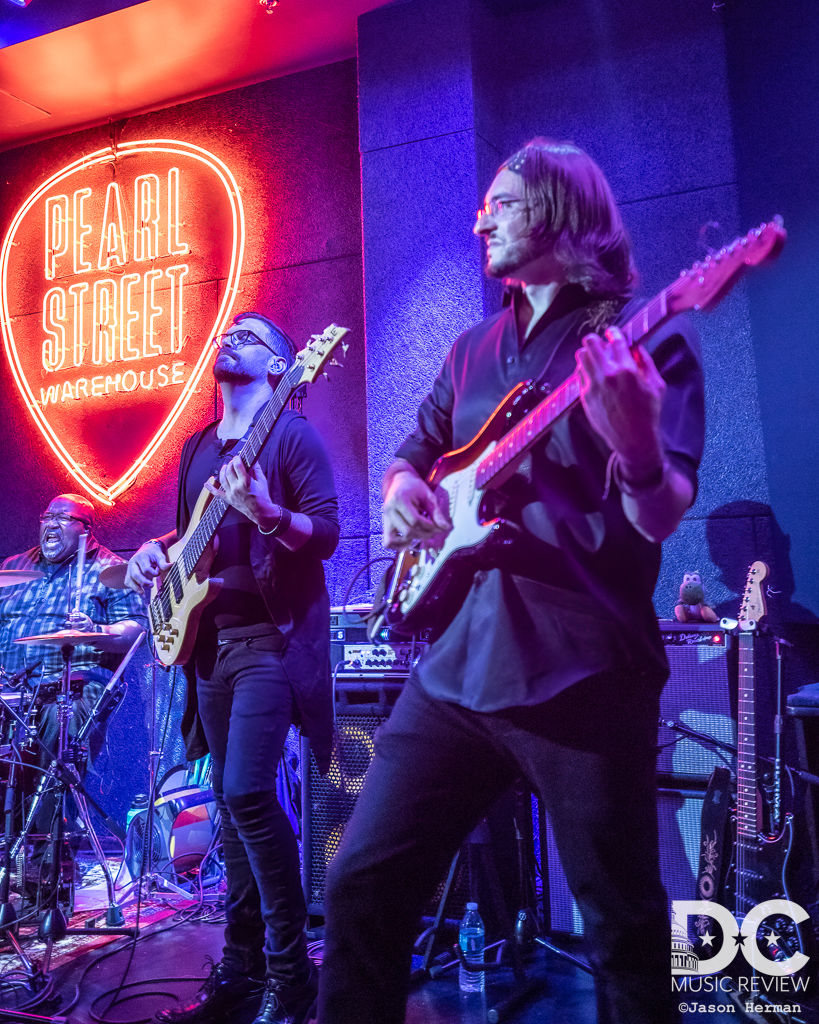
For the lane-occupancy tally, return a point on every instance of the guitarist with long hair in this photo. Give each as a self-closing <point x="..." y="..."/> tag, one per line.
<point x="260" y="662"/>
<point x="551" y="665"/>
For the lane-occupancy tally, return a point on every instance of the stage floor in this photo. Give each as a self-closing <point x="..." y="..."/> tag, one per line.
<point x="172" y="952"/>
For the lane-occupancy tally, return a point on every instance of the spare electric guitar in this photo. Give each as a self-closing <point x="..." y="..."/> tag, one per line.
<point x="426" y="585"/>
<point x="182" y="593"/>
<point x="762" y="845"/>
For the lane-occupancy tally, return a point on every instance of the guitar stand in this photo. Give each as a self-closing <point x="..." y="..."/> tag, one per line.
<point x="523" y="935"/>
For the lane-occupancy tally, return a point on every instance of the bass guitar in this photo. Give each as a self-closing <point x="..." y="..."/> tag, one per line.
<point x="426" y="585"/>
<point x="181" y="594"/>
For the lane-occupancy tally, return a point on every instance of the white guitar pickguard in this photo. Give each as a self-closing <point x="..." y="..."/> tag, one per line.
<point x="467" y="531"/>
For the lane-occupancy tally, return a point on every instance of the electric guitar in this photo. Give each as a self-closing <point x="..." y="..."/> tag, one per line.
<point x="182" y="593"/>
<point x="762" y="844"/>
<point x="426" y="585"/>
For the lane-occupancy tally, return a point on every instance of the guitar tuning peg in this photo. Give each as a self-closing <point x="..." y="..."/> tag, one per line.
<point x="326" y="374"/>
<point x="344" y="346"/>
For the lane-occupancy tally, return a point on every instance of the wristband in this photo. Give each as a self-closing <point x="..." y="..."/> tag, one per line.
<point x="282" y="524"/>
<point x="648" y="482"/>
<point x="161" y="543"/>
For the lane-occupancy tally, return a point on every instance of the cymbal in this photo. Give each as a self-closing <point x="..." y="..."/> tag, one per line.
<point x="11" y="577"/>
<point x="75" y="638"/>
<point x="113" y="576"/>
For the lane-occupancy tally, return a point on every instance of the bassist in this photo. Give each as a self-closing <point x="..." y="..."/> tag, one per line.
<point x="260" y="663"/>
<point x="552" y="665"/>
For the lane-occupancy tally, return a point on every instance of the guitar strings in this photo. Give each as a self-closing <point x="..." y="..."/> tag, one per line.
<point x="646" y="320"/>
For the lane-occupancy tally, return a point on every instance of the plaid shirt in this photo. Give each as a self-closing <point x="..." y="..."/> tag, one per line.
<point x="29" y="609"/>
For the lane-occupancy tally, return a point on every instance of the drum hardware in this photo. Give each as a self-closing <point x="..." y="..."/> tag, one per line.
<point x="8" y="915"/>
<point x="18" y="706"/>
<point x="62" y="772"/>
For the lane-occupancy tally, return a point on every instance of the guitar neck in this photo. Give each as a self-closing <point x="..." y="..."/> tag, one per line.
<point x="249" y="453"/>
<point x="748" y="823"/>
<point x="514" y="445"/>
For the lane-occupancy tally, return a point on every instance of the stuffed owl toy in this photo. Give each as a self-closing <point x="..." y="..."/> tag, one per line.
<point x="692" y="607"/>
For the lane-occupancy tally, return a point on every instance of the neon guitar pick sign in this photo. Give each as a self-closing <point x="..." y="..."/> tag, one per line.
<point x="109" y="268"/>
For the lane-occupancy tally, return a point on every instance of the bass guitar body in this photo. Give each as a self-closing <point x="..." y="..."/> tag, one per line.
<point x="179" y="598"/>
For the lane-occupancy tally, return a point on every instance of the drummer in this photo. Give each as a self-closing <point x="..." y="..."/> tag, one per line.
<point x="48" y="604"/>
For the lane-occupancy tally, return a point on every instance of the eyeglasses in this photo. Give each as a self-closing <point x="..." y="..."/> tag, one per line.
<point x="63" y="518"/>
<point x="238" y="339"/>
<point x="498" y="208"/>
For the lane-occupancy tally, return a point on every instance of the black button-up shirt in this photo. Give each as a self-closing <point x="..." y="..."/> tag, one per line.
<point x="571" y="595"/>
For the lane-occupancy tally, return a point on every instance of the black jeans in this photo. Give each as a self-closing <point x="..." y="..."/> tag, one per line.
<point x="590" y="753"/>
<point x="246" y="709"/>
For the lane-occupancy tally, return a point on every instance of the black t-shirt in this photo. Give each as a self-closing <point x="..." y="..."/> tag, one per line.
<point x="572" y="594"/>
<point x="239" y="603"/>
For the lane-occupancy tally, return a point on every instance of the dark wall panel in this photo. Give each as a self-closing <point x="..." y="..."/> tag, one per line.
<point x="415" y="72"/>
<point x="774" y="87"/>
<point x="641" y="87"/>
<point x="422" y="279"/>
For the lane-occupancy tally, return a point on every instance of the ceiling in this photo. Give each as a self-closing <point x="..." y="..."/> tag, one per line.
<point x="161" y="52"/>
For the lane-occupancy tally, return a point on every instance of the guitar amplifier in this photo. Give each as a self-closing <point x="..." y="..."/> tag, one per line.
<point x="697" y="705"/>
<point x="353" y="655"/>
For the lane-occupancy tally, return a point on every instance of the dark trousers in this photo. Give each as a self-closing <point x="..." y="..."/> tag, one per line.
<point x="246" y="710"/>
<point x="590" y="754"/>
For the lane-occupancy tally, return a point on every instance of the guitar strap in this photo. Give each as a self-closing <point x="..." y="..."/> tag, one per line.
<point x="714" y="824"/>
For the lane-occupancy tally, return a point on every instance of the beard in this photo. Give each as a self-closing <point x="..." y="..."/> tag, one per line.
<point x="503" y="260"/>
<point x="226" y="370"/>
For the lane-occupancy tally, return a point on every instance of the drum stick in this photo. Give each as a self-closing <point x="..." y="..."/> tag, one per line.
<point x="80" y="569"/>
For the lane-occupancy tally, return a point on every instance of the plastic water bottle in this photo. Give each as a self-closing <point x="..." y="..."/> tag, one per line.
<point x="471" y="941"/>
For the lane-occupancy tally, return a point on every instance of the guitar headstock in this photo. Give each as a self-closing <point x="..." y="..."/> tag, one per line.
<point x="316" y="354"/>
<point x="710" y="279"/>
<point x="753" y="608"/>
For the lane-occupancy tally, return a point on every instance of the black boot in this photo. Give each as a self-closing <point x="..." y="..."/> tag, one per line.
<point x="223" y="994"/>
<point x="282" y="1005"/>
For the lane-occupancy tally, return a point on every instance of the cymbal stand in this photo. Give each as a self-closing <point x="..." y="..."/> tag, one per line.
<point x="63" y="771"/>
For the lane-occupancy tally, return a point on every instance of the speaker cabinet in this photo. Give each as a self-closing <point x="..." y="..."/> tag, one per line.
<point x="697" y="697"/>
<point x="680" y="811"/>
<point x="327" y="801"/>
